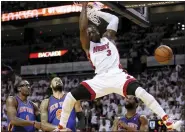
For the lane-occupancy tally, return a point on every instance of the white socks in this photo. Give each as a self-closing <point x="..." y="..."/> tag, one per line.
<point x="67" y="107"/>
<point x="150" y="102"/>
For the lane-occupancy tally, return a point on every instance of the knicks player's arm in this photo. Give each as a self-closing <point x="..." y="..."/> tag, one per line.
<point x="11" y="106"/>
<point x="83" y="25"/>
<point x="127" y="127"/>
<point x="44" y="116"/>
<point x="80" y="115"/>
<point x="37" y="112"/>
<point x="115" y="125"/>
<point x="144" y="123"/>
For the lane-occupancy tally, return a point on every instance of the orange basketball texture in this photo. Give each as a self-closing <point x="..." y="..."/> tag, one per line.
<point x="163" y="54"/>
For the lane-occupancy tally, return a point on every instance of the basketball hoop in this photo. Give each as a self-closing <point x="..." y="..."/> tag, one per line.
<point x="92" y="14"/>
<point x="92" y="9"/>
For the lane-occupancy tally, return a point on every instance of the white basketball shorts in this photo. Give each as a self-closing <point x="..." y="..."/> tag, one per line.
<point x="107" y="83"/>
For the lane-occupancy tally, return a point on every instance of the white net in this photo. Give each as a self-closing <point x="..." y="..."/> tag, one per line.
<point x="92" y="9"/>
<point x="92" y="14"/>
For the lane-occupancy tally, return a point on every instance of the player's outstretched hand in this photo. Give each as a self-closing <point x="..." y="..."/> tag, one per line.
<point x="62" y="130"/>
<point x="84" y="3"/>
<point x="122" y="124"/>
<point x="37" y="125"/>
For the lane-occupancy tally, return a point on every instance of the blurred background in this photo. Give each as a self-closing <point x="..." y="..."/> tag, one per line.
<point x="40" y="40"/>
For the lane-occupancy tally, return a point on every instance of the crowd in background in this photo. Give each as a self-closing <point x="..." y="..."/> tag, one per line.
<point x="142" y="44"/>
<point x="146" y="37"/>
<point x="166" y="85"/>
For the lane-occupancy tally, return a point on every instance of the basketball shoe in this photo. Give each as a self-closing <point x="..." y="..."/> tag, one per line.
<point x="171" y="124"/>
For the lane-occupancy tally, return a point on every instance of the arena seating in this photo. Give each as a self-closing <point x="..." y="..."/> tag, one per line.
<point x="142" y="44"/>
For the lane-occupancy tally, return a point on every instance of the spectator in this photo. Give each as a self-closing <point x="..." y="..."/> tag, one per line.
<point x="104" y="126"/>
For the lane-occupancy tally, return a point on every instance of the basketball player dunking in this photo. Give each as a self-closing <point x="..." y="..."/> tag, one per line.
<point x="110" y="78"/>
<point x="132" y="121"/>
<point x="52" y="107"/>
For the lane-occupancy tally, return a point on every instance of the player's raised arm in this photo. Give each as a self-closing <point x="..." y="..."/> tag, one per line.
<point x="44" y="117"/>
<point x="11" y="106"/>
<point x="144" y="124"/>
<point x="112" y="27"/>
<point x="83" y="25"/>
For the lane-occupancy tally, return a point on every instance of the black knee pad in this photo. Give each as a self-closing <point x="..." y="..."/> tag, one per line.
<point x="81" y="93"/>
<point x="131" y="88"/>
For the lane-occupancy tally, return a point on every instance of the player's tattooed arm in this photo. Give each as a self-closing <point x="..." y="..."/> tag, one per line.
<point x="115" y="125"/>
<point x="44" y="117"/>
<point x="37" y="112"/>
<point x="80" y="115"/>
<point x="11" y="105"/>
<point x="144" y="123"/>
<point x="83" y="25"/>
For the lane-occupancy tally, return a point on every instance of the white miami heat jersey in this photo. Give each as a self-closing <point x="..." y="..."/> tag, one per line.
<point x="104" y="56"/>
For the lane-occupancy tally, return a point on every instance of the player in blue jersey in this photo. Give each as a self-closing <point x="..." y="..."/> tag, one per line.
<point x="22" y="113"/>
<point x="132" y="121"/>
<point x="51" y="109"/>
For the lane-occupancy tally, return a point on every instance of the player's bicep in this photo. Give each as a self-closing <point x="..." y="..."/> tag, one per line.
<point x="84" y="39"/>
<point x="44" y="110"/>
<point x="78" y="107"/>
<point x="144" y="123"/>
<point x="36" y="109"/>
<point x="11" y="108"/>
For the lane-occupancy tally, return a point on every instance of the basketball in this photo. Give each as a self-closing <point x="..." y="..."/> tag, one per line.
<point x="163" y="54"/>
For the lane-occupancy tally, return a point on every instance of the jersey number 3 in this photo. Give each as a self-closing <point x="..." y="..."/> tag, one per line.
<point x="108" y="52"/>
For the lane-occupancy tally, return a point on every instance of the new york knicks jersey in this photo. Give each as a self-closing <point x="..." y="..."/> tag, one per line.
<point x="54" y="112"/>
<point x="104" y="55"/>
<point x="24" y="111"/>
<point x="131" y="122"/>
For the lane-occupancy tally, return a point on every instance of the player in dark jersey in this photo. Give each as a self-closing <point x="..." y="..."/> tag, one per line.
<point x="132" y="121"/>
<point x="51" y="109"/>
<point x="22" y="113"/>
